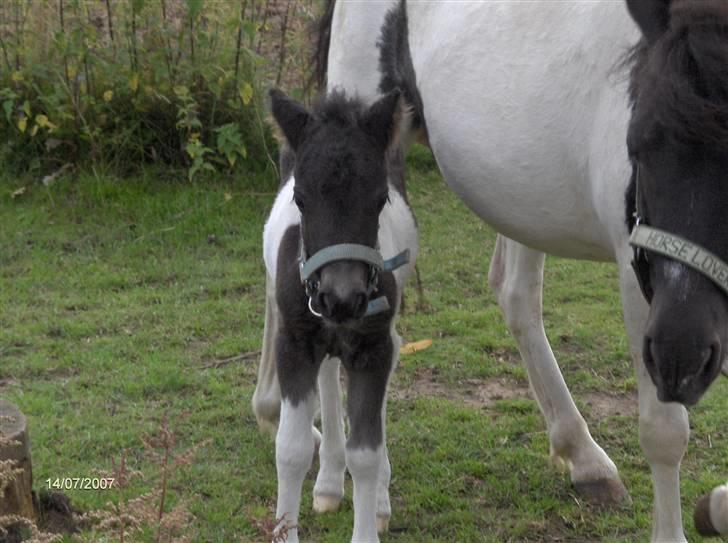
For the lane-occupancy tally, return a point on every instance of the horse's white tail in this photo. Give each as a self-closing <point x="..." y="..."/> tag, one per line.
<point x="267" y="395"/>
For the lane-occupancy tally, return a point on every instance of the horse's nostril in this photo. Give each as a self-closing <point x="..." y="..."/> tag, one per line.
<point x="705" y="355"/>
<point x="709" y="357"/>
<point x="648" y="353"/>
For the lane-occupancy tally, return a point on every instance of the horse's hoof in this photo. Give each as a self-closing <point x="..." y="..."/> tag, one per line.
<point x="325" y="503"/>
<point x="701" y="516"/>
<point x="605" y="492"/>
<point x="382" y="525"/>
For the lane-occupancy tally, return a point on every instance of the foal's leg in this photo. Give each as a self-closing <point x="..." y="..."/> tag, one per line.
<point x="711" y="512"/>
<point x="329" y="487"/>
<point x="295" y="442"/>
<point x="267" y="395"/>
<point x="516" y="276"/>
<point x="365" y="450"/>
<point x="384" y="508"/>
<point x="663" y="427"/>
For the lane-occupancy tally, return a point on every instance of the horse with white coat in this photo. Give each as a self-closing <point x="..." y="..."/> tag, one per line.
<point x="332" y="299"/>
<point x="527" y="117"/>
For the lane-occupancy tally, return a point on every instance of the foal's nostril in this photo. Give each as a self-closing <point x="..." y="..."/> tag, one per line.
<point x="360" y="304"/>
<point x="324" y="301"/>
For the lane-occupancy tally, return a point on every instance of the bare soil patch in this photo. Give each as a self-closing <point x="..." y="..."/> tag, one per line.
<point x="474" y="392"/>
<point x="607" y="404"/>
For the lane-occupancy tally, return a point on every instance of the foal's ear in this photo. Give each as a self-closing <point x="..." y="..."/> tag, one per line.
<point x="652" y="16"/>
<point x="290" y="116"/>
<point x="387" y="119"/>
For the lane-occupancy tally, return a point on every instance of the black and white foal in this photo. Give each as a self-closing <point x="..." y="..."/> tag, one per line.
<point x="338" y="246"/>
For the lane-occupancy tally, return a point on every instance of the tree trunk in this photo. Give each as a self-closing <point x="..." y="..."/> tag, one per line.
<point x="17" y="498"/>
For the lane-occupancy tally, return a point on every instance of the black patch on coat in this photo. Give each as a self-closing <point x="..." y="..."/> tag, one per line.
<point x="322" y="37"/>
<point x="395" y="61"/>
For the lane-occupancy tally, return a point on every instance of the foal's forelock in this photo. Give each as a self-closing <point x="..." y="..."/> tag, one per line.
<point x="681" y="81"/>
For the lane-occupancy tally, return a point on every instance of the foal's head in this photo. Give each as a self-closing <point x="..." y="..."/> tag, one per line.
<point x="340" y="187"/>
<point x="678" y="141"/>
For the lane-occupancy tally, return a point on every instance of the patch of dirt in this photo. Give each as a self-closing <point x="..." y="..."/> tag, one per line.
<point x="56" y="513"/>
<point x="473" y="392"/>
<point x="606" y="404"/>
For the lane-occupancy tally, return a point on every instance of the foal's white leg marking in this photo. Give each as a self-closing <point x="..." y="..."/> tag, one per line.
<point x="516" y="276"/>
<point x="384" y="508"/>
<point x="329" y="487"/>
<point x="364" y="465"/>
<point x="267" y="395"/>
<point x="664" y="429"/>
<point x="294" y="451"/>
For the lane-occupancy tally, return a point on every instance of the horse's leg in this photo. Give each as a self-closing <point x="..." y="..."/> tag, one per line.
<point x="663" y="427"/>
<point x="711" y="512"/>
<point x="329" y="487"/>
<point x="295" y="442"/>
<point x="365" y="451"/>
<point x="516" y="276"/>
<point x="294" y="452"/>
<point x="384" y="508"/>
<point x="267" y="395"/>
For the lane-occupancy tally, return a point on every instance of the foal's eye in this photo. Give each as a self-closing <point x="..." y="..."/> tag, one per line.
<point x="382" y="201"/>
<point x="299" y="202"/>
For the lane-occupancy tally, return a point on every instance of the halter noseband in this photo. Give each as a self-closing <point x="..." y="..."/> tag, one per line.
<point x="646" y="238"/>
<point x="350" y="251"/>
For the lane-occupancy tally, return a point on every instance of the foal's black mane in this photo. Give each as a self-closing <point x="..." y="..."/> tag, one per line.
<point x="681" y="81"/>
<point x="338" y="107"/>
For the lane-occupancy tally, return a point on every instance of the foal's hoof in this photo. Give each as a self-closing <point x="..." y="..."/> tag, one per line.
<point x="605" y="492"/>
<point x="382" y="525"/>
<point x="701" y="516"/>
<point x="325" y="503"/>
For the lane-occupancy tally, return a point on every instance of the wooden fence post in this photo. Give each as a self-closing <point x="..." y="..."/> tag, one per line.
<point x="17" y="498"/>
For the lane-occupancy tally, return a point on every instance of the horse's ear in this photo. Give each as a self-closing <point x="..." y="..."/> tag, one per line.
<point x="387" y="119"/>
<point x="291" y="117"/>
<point x="652" y="16"/>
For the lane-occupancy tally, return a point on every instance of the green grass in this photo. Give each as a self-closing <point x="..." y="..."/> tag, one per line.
<point x="115" y="295"/>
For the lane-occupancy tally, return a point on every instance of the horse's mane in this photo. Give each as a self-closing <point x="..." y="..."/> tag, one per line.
<point x="322" y="36"/>
<point x="682" y="79"/>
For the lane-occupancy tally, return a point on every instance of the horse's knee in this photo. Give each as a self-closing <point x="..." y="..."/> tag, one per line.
<point x="295" y="443"/>
<point x="664" y="433"/>
<point x="267" y="407"/>
<point x="364" y="463"/>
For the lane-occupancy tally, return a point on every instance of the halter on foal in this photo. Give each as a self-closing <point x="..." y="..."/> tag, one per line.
<point x="335" y="300"/>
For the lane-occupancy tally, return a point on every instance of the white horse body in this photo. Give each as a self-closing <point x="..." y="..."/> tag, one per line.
<point x="526" y="114"/>
<point x="518" y="136"/>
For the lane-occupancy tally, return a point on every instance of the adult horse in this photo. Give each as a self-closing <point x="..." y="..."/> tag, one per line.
<point x="527" y="117"/>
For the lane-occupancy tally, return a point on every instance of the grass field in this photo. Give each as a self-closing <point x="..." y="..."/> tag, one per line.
<point x="122" y="301"/>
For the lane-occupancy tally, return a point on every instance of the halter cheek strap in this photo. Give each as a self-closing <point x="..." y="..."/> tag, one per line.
<point x="646" y="238"/>
<point x="350" y="251"/>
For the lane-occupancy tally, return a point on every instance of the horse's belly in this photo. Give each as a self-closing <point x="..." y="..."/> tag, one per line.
<point x="511" y="104"/>
<point x="555" y="221"/>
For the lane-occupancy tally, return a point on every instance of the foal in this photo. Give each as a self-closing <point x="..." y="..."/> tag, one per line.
<point x="334" y="300"/>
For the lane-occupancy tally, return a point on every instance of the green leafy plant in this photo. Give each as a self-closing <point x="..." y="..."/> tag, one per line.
<point x="132" y="82"/>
